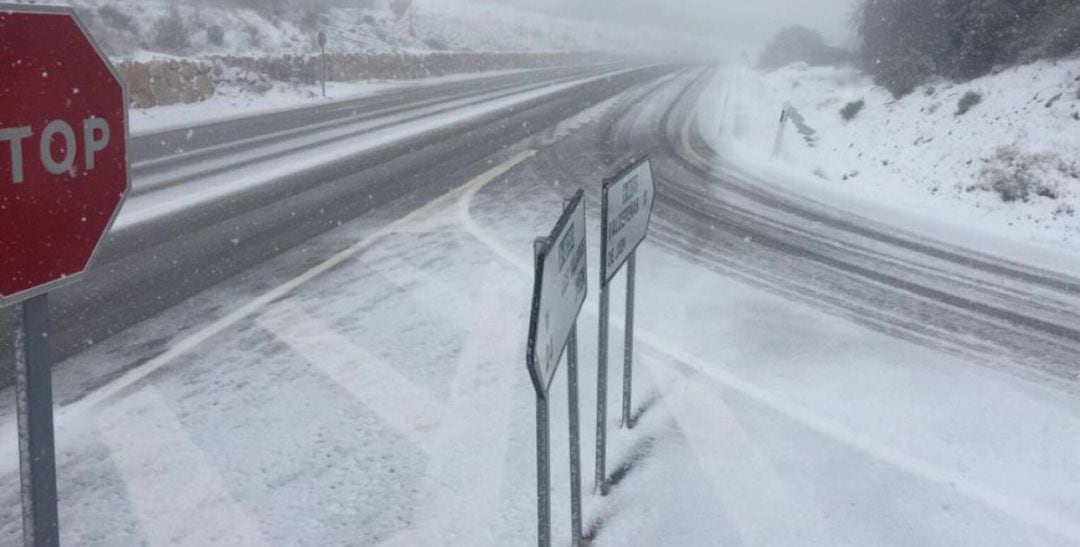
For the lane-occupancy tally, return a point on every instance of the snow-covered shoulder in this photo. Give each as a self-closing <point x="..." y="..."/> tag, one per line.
<point x="239" y="101"/>
<point x="992" y="164"/>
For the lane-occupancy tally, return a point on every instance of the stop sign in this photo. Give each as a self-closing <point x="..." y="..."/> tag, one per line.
<point x="63" y="149"/>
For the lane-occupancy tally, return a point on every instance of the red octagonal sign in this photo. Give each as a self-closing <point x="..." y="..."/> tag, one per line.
<point x="63" y="149"/>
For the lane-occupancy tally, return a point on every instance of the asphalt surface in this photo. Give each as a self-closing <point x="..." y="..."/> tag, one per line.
<point x="1000" y="313"/>
<point x="960" y="300"/>
<point x="146" y="268"/>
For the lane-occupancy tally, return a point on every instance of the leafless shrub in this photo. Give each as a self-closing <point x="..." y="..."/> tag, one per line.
<point x="171" y="33"/>
<point x="116" y="18"/>
<point x="967" y="102"/>
<point x="1018" y="176"/>
<point x="216" y="35"/>
<point x="255" y="37"/>
<point x="400" y="7"/>
<point x="852" y="109"/>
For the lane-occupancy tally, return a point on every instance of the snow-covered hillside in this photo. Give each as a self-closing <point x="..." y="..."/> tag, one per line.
<point x="130" y="29"/>
<point x="1008" y="164"/>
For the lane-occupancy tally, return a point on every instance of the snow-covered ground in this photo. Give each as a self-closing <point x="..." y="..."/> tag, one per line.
<point x="369" y="388"/>
<point x="429" y="25"/>
<point x="917" y="154"/>
<point x="238" y="101"/>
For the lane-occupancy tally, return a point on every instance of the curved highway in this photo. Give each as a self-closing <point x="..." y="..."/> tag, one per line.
<point x="719" y="213"/>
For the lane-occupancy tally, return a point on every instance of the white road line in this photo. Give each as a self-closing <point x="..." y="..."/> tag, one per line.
<point x="464" y="213"/>
<point x="176" y="493"/>
<point x="428" y="291"/>
<point x="401" y="403"/>
<point x="731" y="459"/>
<point x="461" y="492"/>
<point x="180" y="348"/>
<point x="1019" y="509"/>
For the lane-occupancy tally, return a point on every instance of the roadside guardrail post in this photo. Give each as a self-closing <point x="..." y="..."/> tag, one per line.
<point x="784" y="115"/>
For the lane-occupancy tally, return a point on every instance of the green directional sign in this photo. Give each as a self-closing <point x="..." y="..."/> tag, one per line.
<point x="625" y="214"/>
<point x="559" y="291"/>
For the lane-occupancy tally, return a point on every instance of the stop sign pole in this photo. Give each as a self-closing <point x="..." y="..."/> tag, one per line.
<point x="63" y="178"/>
<point x="33" y="396"/>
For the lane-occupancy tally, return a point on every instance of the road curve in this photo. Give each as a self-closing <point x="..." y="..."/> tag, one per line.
<point x="145" y="268"/>
<point x="999" y="312"/>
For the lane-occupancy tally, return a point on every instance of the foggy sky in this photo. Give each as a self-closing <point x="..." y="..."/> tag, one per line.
<point x="752" y="21"/>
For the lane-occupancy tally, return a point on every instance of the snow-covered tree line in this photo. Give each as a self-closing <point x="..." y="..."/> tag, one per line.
<point x="800" y="44"/>
<point x="905" y="42"/>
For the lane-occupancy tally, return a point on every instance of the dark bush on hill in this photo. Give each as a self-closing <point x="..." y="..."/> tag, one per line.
<point x="171" y="33"/>
<point x="852" y="109"/>
<point x="967" y="102"/>
<point x="800" y="44"/>
<point x="906" y="42"/>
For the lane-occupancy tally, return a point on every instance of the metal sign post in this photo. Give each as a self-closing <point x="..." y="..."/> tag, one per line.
<point x="559" y="291"/>
<point x="34" y="404"/>
<point x="626" y="209"/>
<point x="628" y="343"/>
<point x="322" y="61"/>
<point x="575" y="441"/>
<point x="600" y="482"/>
<point x="543" y="442"/>
<point x="575" y="426"/>
<point x="543" y="474"/>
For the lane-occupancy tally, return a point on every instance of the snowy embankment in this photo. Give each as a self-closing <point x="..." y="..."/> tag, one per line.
<point x="1003" y="175"/>
<point x="236" y="101"/>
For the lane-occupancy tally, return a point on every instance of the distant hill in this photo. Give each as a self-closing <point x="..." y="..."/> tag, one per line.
<point x="140" y="29"/>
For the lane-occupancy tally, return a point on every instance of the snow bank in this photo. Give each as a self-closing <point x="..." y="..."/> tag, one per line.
<point x="1008" y="166"/>
<point x="232" y="101"/>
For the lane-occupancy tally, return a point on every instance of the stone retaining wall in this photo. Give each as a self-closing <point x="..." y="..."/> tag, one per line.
<point x="161" y="83"/>
<point x="355" y="67"/>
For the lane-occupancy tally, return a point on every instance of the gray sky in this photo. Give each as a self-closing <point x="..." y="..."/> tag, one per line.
<point x="743" y="20"/>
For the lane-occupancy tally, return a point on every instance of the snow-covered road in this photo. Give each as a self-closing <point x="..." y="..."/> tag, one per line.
<point x="211" y="201"/>
<point x="368" y="387"/>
